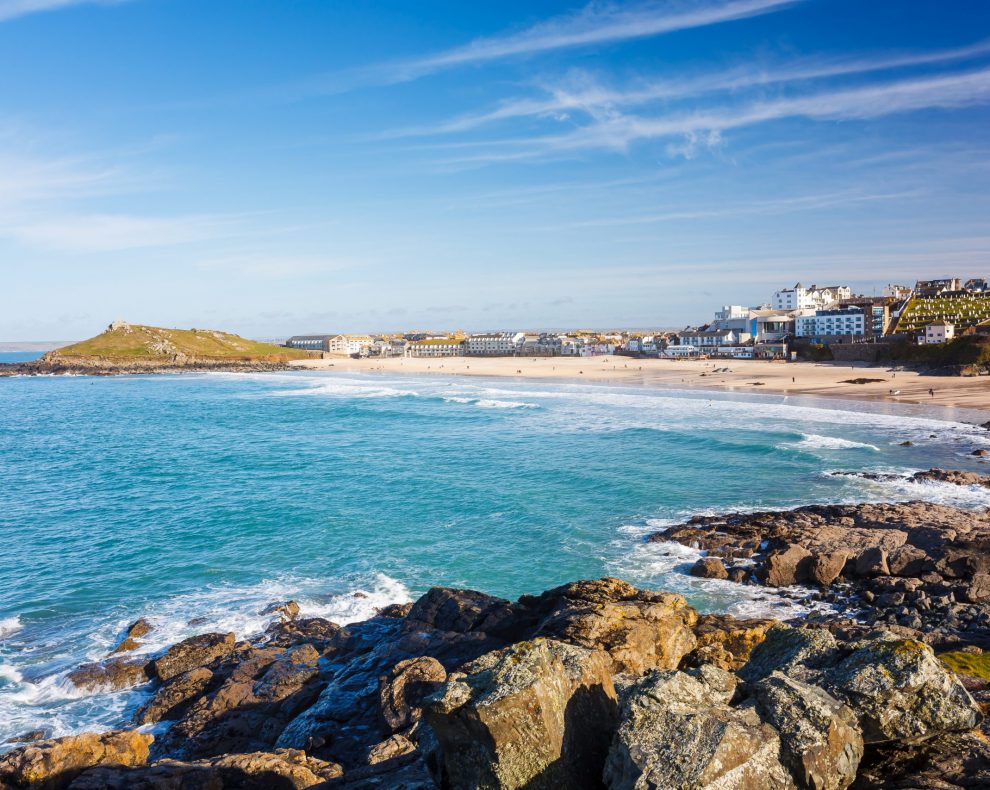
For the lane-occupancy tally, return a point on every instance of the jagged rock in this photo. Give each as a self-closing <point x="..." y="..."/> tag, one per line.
<point x="281" y="770"/>
<point x="977" y="589"/>
<point x="407" y="772"/>
<point x="901" y="692"/>
<point x="536" y="715"/>
<point x="820" y="736"/>
<point x="639" y="629"/>
<point x="197" y="651"/>
<point x="316" y="631"/>
<point x="677" y="732"/>
<point x="287" y="611"/>
<point x="953" y="476"/>
<point x="398" y="610"/>
<point x="53" y="764"/>
<point x="392" y="747"/>
<point x="906" y="561"/>
<point x="710" y="568"/>
<point x="726" y="641"/>
<point x="872" y="562"/>
<point x="947" y="762"/>
<point x="171" y="700"/>
<point x="826" y="567"/>
<point x="111" y="675"/>
<point x="288" y="673"/>
<point x="27" y="737"/>
<point x="795" y="652"/>
<point x="787" y="566"/>
<point x="401" y="691"/>
<point x="459" y="611"/>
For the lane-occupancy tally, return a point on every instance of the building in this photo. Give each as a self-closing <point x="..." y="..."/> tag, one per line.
<point x="976" y="285"/>
<point x="679" y="351"/>
<point x="813" y="298"/>
<point x="349" y="345"/>
<point x="711" y="339"/>
<point x="730" y="312"/>
<point x="310" y="342"/>
<point x="938" y="332"/>
<point x="931" y="288"/>
<point x="841" y="322"/>
<point x="490" y="344"/>
<point x="446" y="347"/>
<point x="771" y="326"/>
<point x="898" y="292"/>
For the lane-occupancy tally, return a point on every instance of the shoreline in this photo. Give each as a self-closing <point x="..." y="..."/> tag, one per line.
<point x="810" y="379"/>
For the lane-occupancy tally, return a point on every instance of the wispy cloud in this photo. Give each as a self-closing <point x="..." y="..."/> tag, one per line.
<point x="10" y="9"/>
<point x="580" y="92"/>
<point x="616" y="130"/>
<point x="595" y="24"/>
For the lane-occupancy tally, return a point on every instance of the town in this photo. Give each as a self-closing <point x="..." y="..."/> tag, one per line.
<point x="798" y="322"/>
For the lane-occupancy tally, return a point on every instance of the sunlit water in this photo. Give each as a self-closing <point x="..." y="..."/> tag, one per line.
<point x="210" y="496"/>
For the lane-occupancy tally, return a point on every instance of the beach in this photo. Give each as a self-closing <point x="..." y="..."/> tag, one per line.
<point x="793" y="378"/>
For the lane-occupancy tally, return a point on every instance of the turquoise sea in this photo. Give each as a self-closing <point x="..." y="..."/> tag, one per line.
<point x="210" y="496"/>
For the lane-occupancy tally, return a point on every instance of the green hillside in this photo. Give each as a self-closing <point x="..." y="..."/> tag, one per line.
<point x="963" y="311"/>
<point x="124" y="341"/>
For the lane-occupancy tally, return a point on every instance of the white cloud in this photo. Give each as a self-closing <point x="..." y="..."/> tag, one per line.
<point x="10" y="9"/>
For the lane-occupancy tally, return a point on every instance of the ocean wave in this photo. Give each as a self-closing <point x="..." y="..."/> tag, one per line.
<point x="899" y="487"/>
<point x="9" y="625"/>
<point x="814" y="441"/>
<point x="489" y="403"/>
<point x="343" y="388"/>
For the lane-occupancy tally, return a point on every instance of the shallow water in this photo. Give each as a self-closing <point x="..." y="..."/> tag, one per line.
<point x="175" y="497"/>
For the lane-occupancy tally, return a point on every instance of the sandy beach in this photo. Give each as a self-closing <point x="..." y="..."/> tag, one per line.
<point x="795" y="378"/>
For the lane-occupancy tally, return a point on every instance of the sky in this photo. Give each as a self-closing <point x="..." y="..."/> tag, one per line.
<point x="276" y="168"/>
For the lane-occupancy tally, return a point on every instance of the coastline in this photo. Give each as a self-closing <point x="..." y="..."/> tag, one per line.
<point x="819" y="380"/>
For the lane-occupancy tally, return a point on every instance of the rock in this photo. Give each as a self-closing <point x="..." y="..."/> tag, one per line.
<point x="110" y="675"/>
<point x="392" y="747"/>
<point x="172" y="699"/>
<point x="397" y="610"/>
<point x="316" y="631"/>
<point x="820" y="736"/>
<point x="401" y="691"/>
<point x="709" y="568"/>
<point x="281" y="770"/>
<point x="639" y="629"/>
<point x="138" y="628"/>
<point x="194" y="652"/>
<point x="28" y="737"/>
<point x="946" y="762"/>
<point x="795" y="652"/>
<point x="459" y="611"/>
<point x="125" y="646"/>
<point x="726" y="641"/>
<point x="906" y="561"/>
<point x="981" y="453"/>
<point x="676" y="732"/>
<point x="53" y="764"/>
<point x="787" y="566"/>
<point x="825" y="568"/>
<point x="407" y="772"/>
<point x="872" y="562"/>
<point x="952" y="476"/>
<point x="978" y="589"/>
<point x="901" y="692"/>
<point x="287" y="611"/>
<point x="537" y="715"/>
<point x="288" y="673"/>
<point x="907" y="443"/>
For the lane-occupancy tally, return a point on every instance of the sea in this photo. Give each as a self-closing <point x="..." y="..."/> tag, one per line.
<point x="196" y="500"/>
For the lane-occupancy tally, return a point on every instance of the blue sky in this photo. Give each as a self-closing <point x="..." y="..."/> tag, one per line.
<point x="275" y="168"/>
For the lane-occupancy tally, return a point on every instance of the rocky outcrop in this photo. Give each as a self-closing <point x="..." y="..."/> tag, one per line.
<point x="54" y="764"/>
<point x="111" y="675"/>
<point x="679" y="731"/>
<point x="535" y="715"/>
<point x="726" y="641"/>
<point x="191" y="653"/>
<point x="403" y="688"/>
<point x="134" y="632"/>
<point x="916" y="564"/>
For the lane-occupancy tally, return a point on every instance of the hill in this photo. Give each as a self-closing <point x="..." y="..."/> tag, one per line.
<point x="130" y="342"/>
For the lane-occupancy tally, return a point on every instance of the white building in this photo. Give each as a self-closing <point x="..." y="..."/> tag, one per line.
<point x="348" y="344"/>
<point x="938" y="332"/>
<point x="813" y="298"/>
<point x="446" y="347"/>
<point x="831" y="323"/>
<point x="731" y="312"/>
<point x="490" y="344"/>
<point x="771" y="326"/>
<point x="680" y="351"/>
<point x="712" y="339"/>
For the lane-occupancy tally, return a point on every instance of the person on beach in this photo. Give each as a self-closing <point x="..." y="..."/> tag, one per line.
<point x="931" y="392"/>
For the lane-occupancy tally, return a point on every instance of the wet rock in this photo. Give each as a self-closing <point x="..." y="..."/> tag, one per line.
<point x="826" y="567"/>
<point x="787" y="566"/>
<point x="459" y="611"/>
<point x="397" y="610"/>
<point x="28" y="737"/>
<point x="537" y="715"/>
<point x="53" y="764"/>
<point x="288" y="673"/>
<point x="110" y="675"/>
<point x="316" y="631"/>
<point x="194" y="652"/>
<point x="287" y="611"/>
<point x="952" y="476"/>
<point x="872" y="562"/>
<point x="402" y="690"/>
<point x="709" y="568"/>
<point x="676" y="731"/>
<point x="171" y="700"/>
<point x="820" y="736"/>
<point x="282" y="770"/>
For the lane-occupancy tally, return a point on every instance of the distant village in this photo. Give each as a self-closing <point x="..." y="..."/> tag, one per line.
<point x="798" y="319"/>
